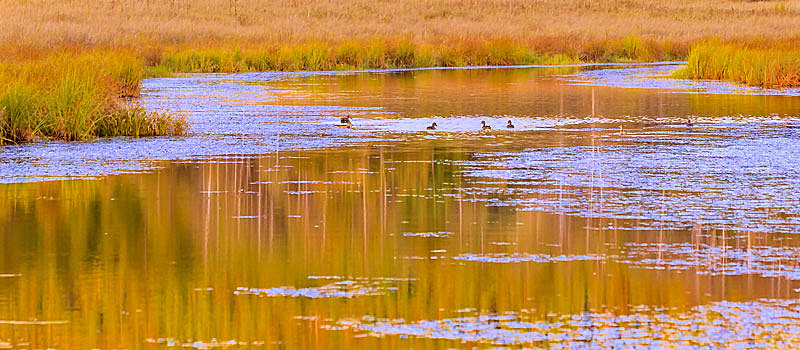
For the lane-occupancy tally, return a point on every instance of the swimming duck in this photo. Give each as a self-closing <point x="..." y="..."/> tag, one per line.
<point x="510" y="126"/>
<point x="349" y="125"/>
<point x="432" y="127"/>
<point x="484" y="126"/>
<point x="345" y="120"/>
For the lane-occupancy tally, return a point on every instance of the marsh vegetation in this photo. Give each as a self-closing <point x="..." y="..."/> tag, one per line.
<point x="76" y="96"/>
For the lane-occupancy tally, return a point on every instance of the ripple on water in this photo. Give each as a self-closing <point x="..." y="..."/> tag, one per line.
<point x="712" y="177"/>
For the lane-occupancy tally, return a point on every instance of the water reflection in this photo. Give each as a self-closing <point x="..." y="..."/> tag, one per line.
<point x="269" y="250"/>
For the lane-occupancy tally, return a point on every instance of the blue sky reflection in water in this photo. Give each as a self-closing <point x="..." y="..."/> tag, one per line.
<point x="621" y="211"/>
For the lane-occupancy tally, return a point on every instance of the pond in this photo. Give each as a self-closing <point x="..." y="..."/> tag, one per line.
<point x="624" y="209"/>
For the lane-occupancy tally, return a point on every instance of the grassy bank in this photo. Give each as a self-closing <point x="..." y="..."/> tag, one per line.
<point x="773" y="67"/>
<point x="376" y="54"/>
<point x="76" y="96"/>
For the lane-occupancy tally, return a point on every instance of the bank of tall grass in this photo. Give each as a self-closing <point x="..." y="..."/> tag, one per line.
<point x="773" y="67"/>
<point x="377" y="54"/>
<point x="76" y="96"/>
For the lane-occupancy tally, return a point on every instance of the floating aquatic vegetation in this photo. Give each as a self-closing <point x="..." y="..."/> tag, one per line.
<point x="349" y="288"/>
<point x="313" y="277"/>
<point x="440" y="234"/>
<point x="298" y="193"/>
<point x="197" y="344"/>
<point x="335" y="290"/>
<point x="33" y="322"/>
<point x="503" y="258"/>
<point x="758" y="324"/>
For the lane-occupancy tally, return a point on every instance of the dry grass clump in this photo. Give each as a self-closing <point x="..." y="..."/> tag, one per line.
<point x="72" y="96"/>
<point x="771" y="67"/>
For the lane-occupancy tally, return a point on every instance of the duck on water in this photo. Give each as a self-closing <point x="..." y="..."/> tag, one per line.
<point x="345" y="123"/>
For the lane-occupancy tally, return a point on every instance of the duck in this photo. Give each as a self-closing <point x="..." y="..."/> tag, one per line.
<point x="348" y="125"/>
<point x="433" y="126"/>
<point x="484" y="126"/>
<point x="345" y="120"/>
<point x="510" y="126"/>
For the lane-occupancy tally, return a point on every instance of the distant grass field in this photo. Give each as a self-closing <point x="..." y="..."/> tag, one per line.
<point x="66" y="66"/>
<point x="573" y="27"/>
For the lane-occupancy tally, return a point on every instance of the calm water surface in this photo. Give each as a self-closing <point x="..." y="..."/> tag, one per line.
<point x="622" y="211"/>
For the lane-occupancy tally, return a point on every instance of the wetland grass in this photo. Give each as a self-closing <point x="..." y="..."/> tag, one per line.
<point x="76" y="96"/>
<point x="769" y="67"/>
<point x="347" y="55"/>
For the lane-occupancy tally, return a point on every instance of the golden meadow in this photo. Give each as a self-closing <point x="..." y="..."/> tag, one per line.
<point x="68" y="67"/>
